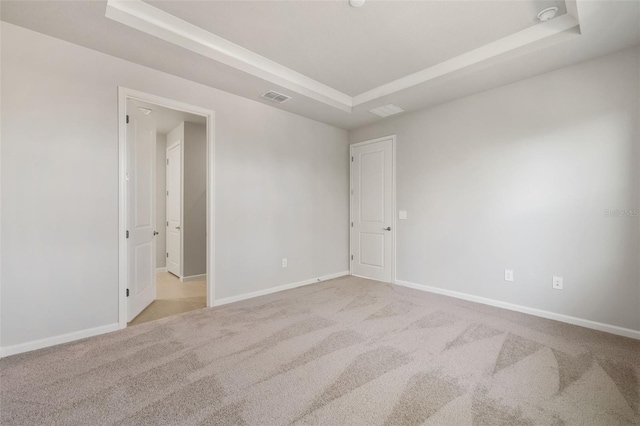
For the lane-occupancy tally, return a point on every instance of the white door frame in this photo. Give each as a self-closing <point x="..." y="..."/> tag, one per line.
<point x="393" y="197"/>
<point x="124" y="94"/>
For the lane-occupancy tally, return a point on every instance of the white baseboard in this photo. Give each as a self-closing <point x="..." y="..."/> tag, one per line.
<point x="613" y="329"/>
<point x="56" y="340"/>
<point x="163" y="269"/>
<point x="193" y="277"/>
<point x="264" y="292"/>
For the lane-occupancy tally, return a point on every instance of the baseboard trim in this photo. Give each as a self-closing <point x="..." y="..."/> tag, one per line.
<point x="158" y="270"/>
<point x="56" y="340"/>
<point x="193" y="277"/>
<point x="608" y="328"/>
<point x="264" y="292"/>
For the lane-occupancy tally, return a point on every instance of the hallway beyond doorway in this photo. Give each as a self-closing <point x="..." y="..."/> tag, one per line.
<point x="173" y="297"/>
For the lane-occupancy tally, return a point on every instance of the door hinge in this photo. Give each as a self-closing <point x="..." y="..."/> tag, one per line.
<point x="127" y="292"/>
<point x="167" y="254"/>
<point x="351" y="257"/>
<point x="352" y="224"/>
<point x="167" y="161"/>
<point x="167" y="193"/>
<point x="167" y="223"/>
<point x="127" y="234"/>
<point x="352" y="159"/>
<point x="127" y="119"/>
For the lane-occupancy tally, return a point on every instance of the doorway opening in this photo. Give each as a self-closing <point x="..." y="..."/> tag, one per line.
<point x="166" y="207"/>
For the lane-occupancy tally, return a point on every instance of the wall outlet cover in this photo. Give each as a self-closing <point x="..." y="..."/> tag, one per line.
<point x="558" y="283"/>
<point x="402" y="214"/>
<point x="508" y="275"/>
<point x="284" y="262"/>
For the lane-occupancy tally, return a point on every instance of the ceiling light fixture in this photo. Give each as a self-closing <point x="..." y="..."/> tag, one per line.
<point x="548" y="13"/>
<point x="356" y="3"/>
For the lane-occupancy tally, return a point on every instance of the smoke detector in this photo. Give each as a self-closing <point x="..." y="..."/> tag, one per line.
<point x="276" y="97"/>
<point x="548" y="13"/>
<point x="356" y="3"/>
<point x="386" y="110"/>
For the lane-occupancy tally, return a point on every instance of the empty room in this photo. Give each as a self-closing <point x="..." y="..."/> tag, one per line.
<point x="337" y="212"/>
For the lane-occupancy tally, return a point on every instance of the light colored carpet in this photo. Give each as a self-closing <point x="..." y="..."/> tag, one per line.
<point x="346" y="351"/>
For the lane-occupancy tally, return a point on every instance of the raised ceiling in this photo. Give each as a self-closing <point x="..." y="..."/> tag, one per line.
<point x="355" y="50"/>
<point x="322" y="53"/>
<point x="169" y="27"/>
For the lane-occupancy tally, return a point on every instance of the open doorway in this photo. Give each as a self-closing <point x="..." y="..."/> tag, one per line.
<point x="166" y="208"/>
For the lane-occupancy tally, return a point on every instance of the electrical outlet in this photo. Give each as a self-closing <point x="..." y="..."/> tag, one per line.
<point x="558" y="283"/>
<point x="284" y="262"/>
<point x="508" y="275"/>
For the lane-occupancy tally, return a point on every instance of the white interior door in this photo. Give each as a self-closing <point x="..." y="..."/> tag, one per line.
<point x="174" y="201"/>
<point x="141" y="212"/>
<point x="372" y="210"/>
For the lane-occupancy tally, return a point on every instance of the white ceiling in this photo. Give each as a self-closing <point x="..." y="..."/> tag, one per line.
<point x="167" y="119"/>
<point x="294" y="39"/>
<point x="357" y="49"/>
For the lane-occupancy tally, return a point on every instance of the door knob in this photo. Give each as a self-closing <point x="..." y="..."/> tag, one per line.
<point x="177" y="227"/>
<point x="155" y="233"/>
<point x="388" y="228"/>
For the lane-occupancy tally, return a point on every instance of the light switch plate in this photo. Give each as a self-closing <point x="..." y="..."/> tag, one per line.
<point x="402" y="214"/>
<point x="284" y="262"/>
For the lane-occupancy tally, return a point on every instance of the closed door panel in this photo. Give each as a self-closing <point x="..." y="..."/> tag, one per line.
<point x="372" y="210"/>
<point x="141" y="221"/>
<point x="372" y="249"/>
<point x="174" y="213"/>
<point x="371" y="186"/>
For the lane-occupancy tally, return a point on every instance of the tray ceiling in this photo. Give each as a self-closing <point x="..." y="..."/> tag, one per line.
<point x="327" y="56"/>
<point x="355" y="50"/>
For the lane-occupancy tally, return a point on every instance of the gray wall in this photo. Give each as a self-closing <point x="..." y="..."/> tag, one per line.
<point x="161" y="200"/>
<point x="194" y="199"/>
<point x="281" y="187"/>
<point x="519" y="178"/>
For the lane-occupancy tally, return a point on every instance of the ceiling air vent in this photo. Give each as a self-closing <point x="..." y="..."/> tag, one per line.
<point x="275" y="97"/>
<point x="386" y="110"/>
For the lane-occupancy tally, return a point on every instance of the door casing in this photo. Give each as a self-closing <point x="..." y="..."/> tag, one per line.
<point x="123" y="95"/>
<point x="393" y="198"/>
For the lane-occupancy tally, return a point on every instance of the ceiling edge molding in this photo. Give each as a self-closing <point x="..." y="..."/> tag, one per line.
<point x="153" y="21"/>
<point x="499" y="47"/>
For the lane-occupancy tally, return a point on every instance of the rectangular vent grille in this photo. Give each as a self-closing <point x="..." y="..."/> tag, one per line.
<point x="386" y="110"/>
<point x="275" y="97"/>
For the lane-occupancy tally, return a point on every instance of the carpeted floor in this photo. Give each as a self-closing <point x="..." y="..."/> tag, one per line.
<point x="343" y="352"/>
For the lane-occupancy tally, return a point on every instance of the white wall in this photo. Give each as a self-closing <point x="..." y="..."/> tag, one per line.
<point x="194" y="199"/>
<point x="519" y="178"/>
<point x="282" y="187"/>
<point x="161" y="200"/>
